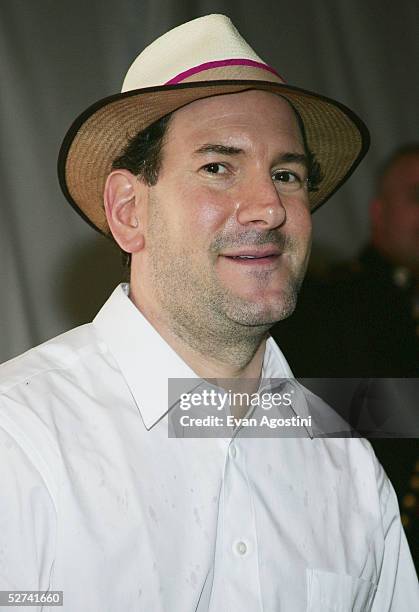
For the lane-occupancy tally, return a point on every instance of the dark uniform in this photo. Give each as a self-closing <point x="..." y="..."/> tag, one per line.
<point x="362" y="320"/>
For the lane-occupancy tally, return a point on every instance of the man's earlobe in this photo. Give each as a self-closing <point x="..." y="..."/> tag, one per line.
<point x="122" y="208"/>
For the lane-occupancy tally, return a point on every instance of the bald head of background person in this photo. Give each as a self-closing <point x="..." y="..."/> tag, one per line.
<point x="394" y="209"/>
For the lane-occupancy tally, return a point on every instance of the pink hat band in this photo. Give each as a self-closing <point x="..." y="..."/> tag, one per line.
<point x="187" y="74"/>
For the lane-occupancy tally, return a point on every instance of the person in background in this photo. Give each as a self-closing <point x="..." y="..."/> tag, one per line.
<point x="361" y="318"/>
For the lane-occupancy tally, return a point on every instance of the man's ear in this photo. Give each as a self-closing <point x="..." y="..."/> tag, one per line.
<point x="121" y="198"/>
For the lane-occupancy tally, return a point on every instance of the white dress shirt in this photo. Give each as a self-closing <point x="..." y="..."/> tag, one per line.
<point x="97" y="500"/>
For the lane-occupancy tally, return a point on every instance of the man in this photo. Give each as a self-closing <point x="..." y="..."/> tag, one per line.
<point x="392" y="259"/>
<point x="208" y="168"/>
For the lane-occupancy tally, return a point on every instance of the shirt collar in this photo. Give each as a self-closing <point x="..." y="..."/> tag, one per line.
<point x="274" y="363"/>
<point x="275" y="367"/>
<point x="146" y="360"/>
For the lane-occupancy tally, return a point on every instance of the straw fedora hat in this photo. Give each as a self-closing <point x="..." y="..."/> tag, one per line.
<point x="204" y="57"/>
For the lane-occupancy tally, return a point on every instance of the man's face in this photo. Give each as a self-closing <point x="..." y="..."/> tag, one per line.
<point x="228" y="225"/>
<point x="398" y="218"/>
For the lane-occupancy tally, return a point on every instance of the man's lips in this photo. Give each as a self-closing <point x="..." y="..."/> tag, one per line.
<point x="253" y="255"/>
<point x="256" y="252"/>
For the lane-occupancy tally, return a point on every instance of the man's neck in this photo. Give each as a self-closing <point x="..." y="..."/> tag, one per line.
<point x="208" y="355"/>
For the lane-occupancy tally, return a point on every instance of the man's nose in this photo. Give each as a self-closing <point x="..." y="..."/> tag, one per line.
<point x="261" y="205"/>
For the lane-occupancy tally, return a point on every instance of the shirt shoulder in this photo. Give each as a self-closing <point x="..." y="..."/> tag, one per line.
<point x="369" y="469"/>
<point x="39" y="390"/>
<point x="58" y="354"/>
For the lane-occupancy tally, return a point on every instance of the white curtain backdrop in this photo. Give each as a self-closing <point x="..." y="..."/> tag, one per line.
<point x="57" y="57"/>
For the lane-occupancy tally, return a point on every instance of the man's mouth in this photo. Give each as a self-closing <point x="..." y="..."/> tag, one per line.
<point x="254" y="256"/>
<point x="250" y="256"/>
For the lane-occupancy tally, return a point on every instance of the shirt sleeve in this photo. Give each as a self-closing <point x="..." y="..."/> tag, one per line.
<point x="398" y="588"/>
<point x="27" y="521"/>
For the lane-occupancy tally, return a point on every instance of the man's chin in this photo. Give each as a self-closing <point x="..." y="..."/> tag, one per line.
<point x="262" y="314"/>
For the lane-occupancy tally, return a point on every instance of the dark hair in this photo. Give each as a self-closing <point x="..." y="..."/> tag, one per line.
<point x="410" y="148"/>
<point x="142" y="156"/>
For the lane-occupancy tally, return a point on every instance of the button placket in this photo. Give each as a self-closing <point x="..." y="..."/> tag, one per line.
<point x="240" y="558"/>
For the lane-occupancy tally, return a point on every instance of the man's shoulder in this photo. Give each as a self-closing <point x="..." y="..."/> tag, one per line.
<point x="55" y="355"/>
<point x="367" y="463"/>
<point x="31" y="387"/>
<point x="44" y="391"/>
<point x="360" y="470"/>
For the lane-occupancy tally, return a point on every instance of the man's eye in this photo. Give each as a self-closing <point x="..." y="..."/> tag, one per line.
<point x="286" y="176"/>
<point x="287" y="181"/>
<point x="215" y="168"/>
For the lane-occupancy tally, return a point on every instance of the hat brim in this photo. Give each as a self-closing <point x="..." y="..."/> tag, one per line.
<point x="335" y="134"/>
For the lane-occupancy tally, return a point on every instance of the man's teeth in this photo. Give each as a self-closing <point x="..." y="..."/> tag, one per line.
<point x="248" y="256"/>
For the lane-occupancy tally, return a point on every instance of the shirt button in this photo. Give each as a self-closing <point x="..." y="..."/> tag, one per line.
<point x="233" y="451"/>
<point x="241" y="548"/>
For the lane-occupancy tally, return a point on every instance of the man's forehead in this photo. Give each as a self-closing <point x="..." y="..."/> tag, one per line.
<point x="251" y="109"/>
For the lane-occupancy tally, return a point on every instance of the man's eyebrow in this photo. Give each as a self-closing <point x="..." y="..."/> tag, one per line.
<point x="297" y="158"/>
<point x="218" y="148"/>
<point x="282" y="158"/>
